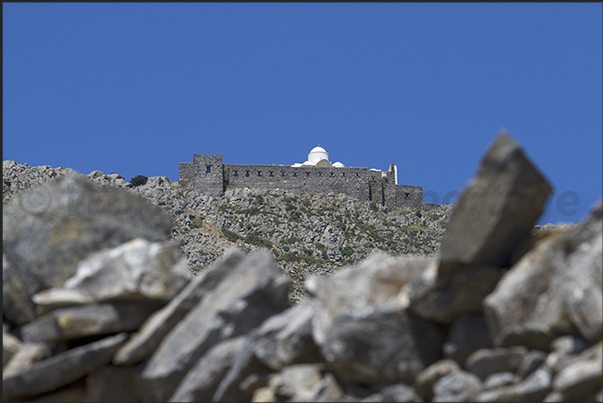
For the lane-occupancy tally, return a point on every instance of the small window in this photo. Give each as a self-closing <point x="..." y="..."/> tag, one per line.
<point x="320" y="174"/>
<point x="343" y="174"/>
<point x="356" y="174"/>
<point x="246" y="173"/>
<point x="332" y="173"/>
<point x="271" y="173"/>
<point x="385" y="180"/>
<point x="294" y="173"/>
<point x="235" y="173"/>
<point x="282" y="173"/>
<point x="307" y="174"/>
<point x="407" y="194"/>
<point x="207" y="169"/>
<point x="259" y="173"/>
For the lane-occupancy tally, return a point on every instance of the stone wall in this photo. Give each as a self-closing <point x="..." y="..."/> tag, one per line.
<point x="350" y="181"/>
<point x="209" y="175"/>
<point x="186" y="173"/>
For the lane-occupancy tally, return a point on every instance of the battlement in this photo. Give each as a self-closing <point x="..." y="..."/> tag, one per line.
<point x="207" y="174"/>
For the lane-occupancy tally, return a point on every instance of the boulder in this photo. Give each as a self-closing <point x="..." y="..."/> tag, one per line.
<point x="582" y="378"/>
<point x="250" y="293"/>
<point x="61" y="369"/>
<point x="89" y="320"/>
<point x="26" y="357"/>
<point x="430" y="375"/>
<point x="496" y="211"/>
<point x="457" y="386"/>
<point x="136" y="270"/>
<point x="49" y="229"/>
<point x="10" y="346"/>
<point x="286" y="338"/>
<point x="144" y="342"/>
<point x="201" y="382"/>
<point x="486" y="362"/>
<point x="380" y="345"/>
<point x="112" y="384"/>
<point x="553" y="289"/>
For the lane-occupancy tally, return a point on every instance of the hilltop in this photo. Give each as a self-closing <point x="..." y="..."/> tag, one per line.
<point x="306" y="234"/>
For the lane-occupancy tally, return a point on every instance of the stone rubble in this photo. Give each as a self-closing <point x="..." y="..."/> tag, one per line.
<point x="500" y="315"/>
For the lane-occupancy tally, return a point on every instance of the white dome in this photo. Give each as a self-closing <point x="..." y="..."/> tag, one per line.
<point x="317" y="154"/>
<point x="338" y="165"/>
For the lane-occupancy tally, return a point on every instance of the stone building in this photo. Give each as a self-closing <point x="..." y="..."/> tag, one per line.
<point x="209" y="175"/>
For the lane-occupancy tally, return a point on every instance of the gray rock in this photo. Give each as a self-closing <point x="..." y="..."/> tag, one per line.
<point x="467" y="334"/>
<point x="570" y="344"/>
<point x="201" y="382"/>
<point x="380" y="345"/>
<point x="136" y="270"/>
<point x="305" y="383"/>
<point x="581" y="378"/>
<point x="457" y="386"/>
<point x="532" y="389"/>
<point x="56" y="225"/>
<point x="496" y="211"/>
<point x="144" y="342"/>
<point x="500" y="379"/>
<point x="253" y="291"/>
<point x="399" y="393"/>
<point x="246" y="365"/>
<point x="286" y="338"/>
<point x="430" y="375"/>
<point x="554" y="288"/>
<point x="443" y="299"/>
<point x="61" y="369"/>
<point x="375" y="281"/>
<point x="10" y="346"/>
<point x="89" y="320"/>
<point x="112" y="384"/>
<point x="530" y="363"/>
<point x="486" y="362"/>
<point x="74" y="392"/>
<point x="26" y="357"/>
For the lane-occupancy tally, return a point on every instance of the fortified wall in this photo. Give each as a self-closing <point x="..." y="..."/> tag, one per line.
<point x="209" y="175"/>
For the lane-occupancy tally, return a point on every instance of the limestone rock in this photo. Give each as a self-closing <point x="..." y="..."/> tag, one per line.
<point x="56" y="225"/>
<point x="554" y="288"/>
<point x="254" y="290"/>
<point x="136" y="270"/>
<point x="201" y="382"/>
<point x="26" y="357"/>
<point x="500" y="379"/>
<point x="530" y="363"/>
<point x="375" y="281"/>
<point x="144" y="342"/>
<point x="486" y="362"/>
<point x="581" y="378"/>
<point x="377" y="345"/>
<point x="443" y="299"/>
<point x="286" y="338"/>
<point x="430" y="375"/>
<point x="457" y="386"/>
<point x="496" y="211"/>
<point x="10" y="346"/>
<point x="89" y="320"/>
<point x="61" y="369"/>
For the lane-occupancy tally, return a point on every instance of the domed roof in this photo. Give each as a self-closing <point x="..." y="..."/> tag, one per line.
<point x="317" y="154"/>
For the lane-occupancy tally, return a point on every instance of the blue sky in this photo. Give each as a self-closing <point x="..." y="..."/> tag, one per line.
<point x="137" y="88"/>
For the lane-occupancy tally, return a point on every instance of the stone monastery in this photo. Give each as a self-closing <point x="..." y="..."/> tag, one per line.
<point x="207" y="174"/>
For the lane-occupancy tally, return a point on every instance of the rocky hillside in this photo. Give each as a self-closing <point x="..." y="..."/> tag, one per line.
<point x="305" y="234"/>
<point x="100" y="305"/>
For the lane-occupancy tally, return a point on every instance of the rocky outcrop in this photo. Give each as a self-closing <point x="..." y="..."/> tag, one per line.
<point x="129" y="325"/>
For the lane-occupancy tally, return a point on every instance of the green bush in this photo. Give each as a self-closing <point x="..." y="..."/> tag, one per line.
<point x="196" y="223"/>
<point x="254" y="239"/>
<point x="231" y="236"/>
<point x="373" y="206"/>
<point x="347" y="251"/>
<point x="138" y="181"/>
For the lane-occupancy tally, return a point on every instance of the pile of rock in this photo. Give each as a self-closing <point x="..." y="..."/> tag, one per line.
<point x="500" y="315"/>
